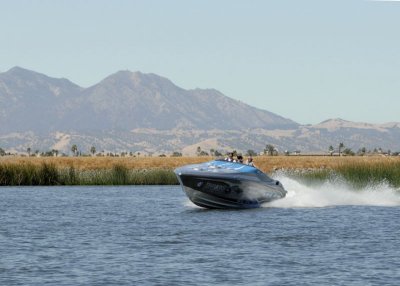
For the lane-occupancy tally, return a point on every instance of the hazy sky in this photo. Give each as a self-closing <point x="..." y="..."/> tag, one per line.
<point x="305" y="60"/>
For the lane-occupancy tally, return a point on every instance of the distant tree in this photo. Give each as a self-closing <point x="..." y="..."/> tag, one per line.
<point x="203" y="153"/>
<point x="37" y="153"/>
<point x="348" y="152"/>
<point x="48" y="154"/>
<point x="251" y="152"/>
<point x="176" y="154"/>
<point x="269" y="149"/>
<point x="55" y="152"/>
<point x="362" y="151"/>
<point x="217" y="153"/>
<point x="198" y="151"/>
<point x="331" y="149"/>
<point x="74" y="149"/>
<point x="2" y="152"/>
<point x="212" y="152"/>
<point x="341" y="145"/>
<point x="28" y="150"/>
<point x="93" y="150"/>
<point x="162" y="155"/>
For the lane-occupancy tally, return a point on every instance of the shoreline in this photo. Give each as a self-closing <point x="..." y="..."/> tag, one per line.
<point x="74" y="171"/>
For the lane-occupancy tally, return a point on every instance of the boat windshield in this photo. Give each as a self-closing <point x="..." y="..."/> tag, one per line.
<point x="244" y="168"/>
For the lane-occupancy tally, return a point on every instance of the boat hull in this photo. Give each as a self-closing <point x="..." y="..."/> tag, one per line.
<point x="233" y="190"/>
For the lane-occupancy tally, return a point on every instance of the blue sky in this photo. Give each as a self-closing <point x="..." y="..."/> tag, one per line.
<point x="305" y="60"/>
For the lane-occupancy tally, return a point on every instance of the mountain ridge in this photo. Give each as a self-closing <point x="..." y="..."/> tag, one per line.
<point x="124" y="100"/>
<point x="146" y="112"/>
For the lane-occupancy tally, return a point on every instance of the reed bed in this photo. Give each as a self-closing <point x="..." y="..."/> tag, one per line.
<point x="361" y="174"/>
<point x="48" y="174"/>
<point x="99" y="163"/>
<point x="264" y="163"/>
<point x="359" y="171"/>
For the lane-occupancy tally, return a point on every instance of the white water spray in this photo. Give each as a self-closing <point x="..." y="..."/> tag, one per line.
<point x="189" y="204"/>
<point x="333" y="194"/>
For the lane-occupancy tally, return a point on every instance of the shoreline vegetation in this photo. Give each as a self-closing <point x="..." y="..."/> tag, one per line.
<point x="45" y="171"/>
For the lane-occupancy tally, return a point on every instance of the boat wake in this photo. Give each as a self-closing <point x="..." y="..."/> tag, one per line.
<point x="328" y="194"/>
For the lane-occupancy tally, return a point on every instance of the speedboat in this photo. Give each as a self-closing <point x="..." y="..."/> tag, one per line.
<point x="221" y="184"/>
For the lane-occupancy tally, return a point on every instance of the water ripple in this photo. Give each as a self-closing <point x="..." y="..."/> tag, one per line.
<point x="153" y="236"/>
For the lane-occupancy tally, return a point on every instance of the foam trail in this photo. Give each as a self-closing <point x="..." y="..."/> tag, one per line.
<point x="334" y="194"/>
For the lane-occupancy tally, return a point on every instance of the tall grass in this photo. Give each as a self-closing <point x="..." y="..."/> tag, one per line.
<point x="99" y="163"/>
<point x="264" y="163"/>
<point x="28" y="175"/>
<point x="362" y="173"/>
<point x="48" y="175"/>
<point x="357" y="174"/>
<point x="359" y="171"/>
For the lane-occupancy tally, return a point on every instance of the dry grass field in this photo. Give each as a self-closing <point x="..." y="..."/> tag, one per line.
<point x="264" y="163"/>
<point x="267" y="163"/>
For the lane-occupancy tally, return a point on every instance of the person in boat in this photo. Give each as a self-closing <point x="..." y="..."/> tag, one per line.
<point x="250" y="161"/>
<point x="230" y="158"/>
<point x="240" y="159"/>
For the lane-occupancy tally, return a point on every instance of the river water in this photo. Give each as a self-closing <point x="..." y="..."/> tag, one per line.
<point x="152" y="235"/>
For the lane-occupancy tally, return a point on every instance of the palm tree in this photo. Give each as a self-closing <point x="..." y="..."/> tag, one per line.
<point x="74" y="149"/>
<point x="341" y="145"/>
<point x="92" y="150"/>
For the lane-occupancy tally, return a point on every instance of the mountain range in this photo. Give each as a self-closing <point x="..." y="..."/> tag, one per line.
<point x="137" y="112"/>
